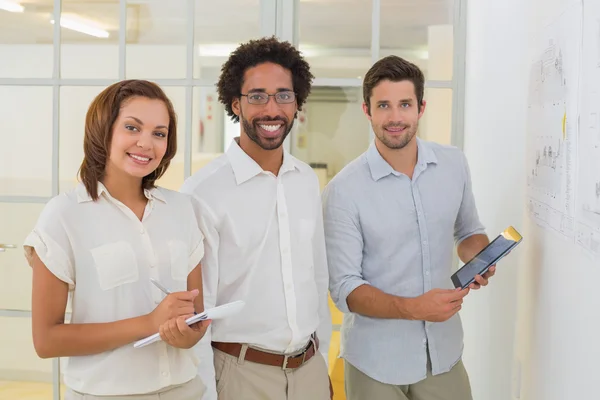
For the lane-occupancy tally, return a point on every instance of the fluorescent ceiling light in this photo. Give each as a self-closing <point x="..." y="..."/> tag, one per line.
<point x="82" y="26"/>
<point x="11" y="6"/>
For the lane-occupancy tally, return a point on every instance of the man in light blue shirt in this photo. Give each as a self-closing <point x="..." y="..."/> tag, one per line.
<point x="392" y="218"/>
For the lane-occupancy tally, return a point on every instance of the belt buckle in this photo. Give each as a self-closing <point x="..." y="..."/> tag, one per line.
<point x="285" y="361"/>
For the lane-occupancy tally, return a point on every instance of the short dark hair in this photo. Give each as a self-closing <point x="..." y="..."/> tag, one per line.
<point x="99" y="123"/>
<point x="395" y="69"/>
<point x="256" y="52"/>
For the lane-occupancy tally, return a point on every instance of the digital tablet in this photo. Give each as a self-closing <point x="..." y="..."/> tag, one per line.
<point x="223" y="311"/>
<point x="487" y="257"/>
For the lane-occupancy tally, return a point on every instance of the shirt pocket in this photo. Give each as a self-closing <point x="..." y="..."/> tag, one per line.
<point x="178" y="253"/>
<point x="116" y="264"/>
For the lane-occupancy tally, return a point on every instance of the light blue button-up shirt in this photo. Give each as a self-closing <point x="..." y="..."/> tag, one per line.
<point x="398" y="235"/>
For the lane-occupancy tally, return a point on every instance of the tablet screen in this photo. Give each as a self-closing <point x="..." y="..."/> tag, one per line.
<point x="485" y="258"/>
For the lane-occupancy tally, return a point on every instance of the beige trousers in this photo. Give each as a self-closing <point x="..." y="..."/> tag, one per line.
<point x="192" y="390"/>
<point x="452" y="385"/>
<point x="240" y="379"/>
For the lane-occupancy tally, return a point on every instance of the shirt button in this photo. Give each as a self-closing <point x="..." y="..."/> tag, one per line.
<point x="426" y="272"/>
<point x="288" y="286"/>
<point x="165" y="373"/>
<point x="425" y="242"/>
<point x="142" y="231"/>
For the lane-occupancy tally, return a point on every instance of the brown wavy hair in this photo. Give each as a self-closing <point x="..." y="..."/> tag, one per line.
<point x="99" y="121"/>
<point x="395" y="69"/>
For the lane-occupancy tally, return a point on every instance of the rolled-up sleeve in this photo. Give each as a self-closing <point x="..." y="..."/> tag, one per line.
<point x="344" y="246"/>
<point x="467" y="221"/>
<point x="51" y="243"/>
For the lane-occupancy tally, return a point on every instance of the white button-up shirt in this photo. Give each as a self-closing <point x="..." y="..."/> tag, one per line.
<point x="264" y="244"/>
<point x="107" y="256"/>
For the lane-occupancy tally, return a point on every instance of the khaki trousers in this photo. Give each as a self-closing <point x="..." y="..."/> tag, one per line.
<point x="452" y="385"/>
<point x="240" y="379"/>
<point x="192" y="390"/>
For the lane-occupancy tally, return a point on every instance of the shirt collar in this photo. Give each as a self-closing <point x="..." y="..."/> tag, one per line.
<point x="380" y="168"/>
<point x="245" y="168"/>
<point x="83" y="196"/>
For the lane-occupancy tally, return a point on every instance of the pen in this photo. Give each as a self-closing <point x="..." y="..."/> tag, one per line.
<point x="163" y="289"/>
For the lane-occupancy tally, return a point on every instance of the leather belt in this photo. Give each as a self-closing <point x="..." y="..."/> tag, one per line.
<point x="276" y="360"/>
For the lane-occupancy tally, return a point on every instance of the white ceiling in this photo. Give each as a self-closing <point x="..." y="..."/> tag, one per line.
<point x="334" y="24"/>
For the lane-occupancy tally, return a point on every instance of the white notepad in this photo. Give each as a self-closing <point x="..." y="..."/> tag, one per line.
<point x="223" y="311"/>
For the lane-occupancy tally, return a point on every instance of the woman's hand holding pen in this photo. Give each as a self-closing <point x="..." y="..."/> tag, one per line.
<point x="174" y="305"/>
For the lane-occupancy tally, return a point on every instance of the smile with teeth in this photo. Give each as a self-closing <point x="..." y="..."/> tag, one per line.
<point x="139" y="159"/>
<point x="395" y="128"/>
<point x="270" y="128"/>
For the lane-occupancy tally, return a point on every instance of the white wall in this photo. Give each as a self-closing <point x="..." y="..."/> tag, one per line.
<point x="532" y="334"/>
<point x="495" y="120"/>
<point x="559" y="300"/>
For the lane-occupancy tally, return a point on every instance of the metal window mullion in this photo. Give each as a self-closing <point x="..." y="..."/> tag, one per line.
<point x="457" y="134"/>
<point x="27" y="81"/>
<point x="24" y="199"/>
<point x="459" y="72"/>
<point x="296" y="23"/>
<point x="122" y="38"/>
<point x="268" y="17"/>
<point x="375" y="30"/>
<point x="96" y="82"/>
<point x="287" y="21"/>
<point x="56" y="73"/>
<point x="375" y="42"/>
<point x="286" y="30"/>
<point x="10" y="313"/>
<point x="56" y="97"/>
<point x="189" y="88"/>
<point x="4" y="313"/>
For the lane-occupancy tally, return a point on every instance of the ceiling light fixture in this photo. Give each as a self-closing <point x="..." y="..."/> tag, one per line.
<point x="82" y="27"/>
<point x="11" y="6"/>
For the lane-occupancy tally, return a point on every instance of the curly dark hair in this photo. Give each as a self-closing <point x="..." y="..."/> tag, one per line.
<point x="256" y="52"/>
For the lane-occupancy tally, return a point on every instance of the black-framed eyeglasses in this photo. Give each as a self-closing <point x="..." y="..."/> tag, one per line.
<point x="284" y="97"/>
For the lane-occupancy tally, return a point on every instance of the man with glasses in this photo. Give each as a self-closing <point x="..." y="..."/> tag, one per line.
<point x="259" y="209"/>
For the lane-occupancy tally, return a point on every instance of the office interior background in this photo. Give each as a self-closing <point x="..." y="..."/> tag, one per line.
<point x="529" y="335"/>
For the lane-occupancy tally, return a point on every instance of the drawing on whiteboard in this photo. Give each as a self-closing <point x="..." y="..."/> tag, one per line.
<point x="543" y="175"/>
<point x="593" y="205"/>
<point x="552" y="124"/>
<point x="588" y="182"/>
